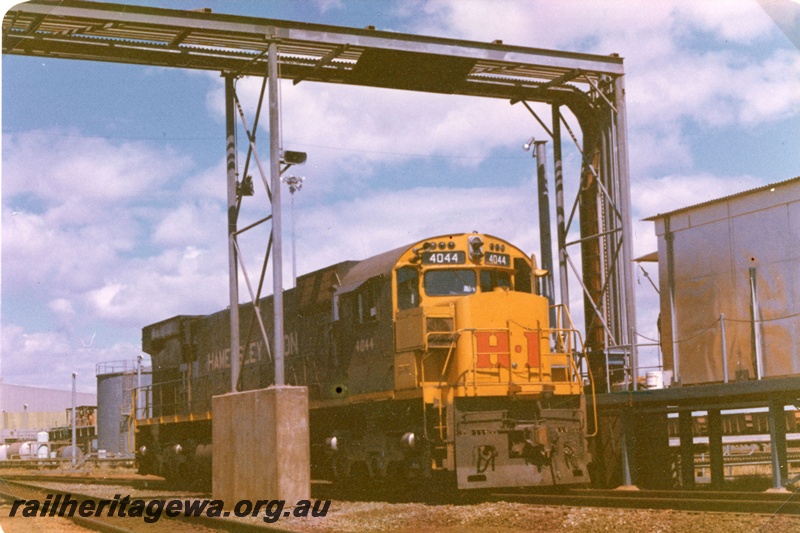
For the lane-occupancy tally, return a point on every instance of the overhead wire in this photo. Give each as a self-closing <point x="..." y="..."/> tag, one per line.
<point x="713" y="325"/>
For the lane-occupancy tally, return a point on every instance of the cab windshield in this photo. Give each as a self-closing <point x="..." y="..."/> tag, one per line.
<point x="492" y="279"/>
<point x="454" y="282"/>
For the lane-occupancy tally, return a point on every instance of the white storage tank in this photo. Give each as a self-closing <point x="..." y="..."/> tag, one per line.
<point x="43" y="450"/>
<point x="25" y="450"/>
<point x="65" y="452"/>
<point x="115" y="384"/>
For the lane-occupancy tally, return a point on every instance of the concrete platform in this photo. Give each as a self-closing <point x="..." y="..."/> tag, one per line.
<point x="261" y="445"/>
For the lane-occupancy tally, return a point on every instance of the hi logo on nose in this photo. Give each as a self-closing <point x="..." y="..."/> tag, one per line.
<point x="493" y="350"/>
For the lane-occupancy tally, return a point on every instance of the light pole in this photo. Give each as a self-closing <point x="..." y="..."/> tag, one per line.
<point x="137" y="406"/>
<point x="295" y="183"/>
<point x="74" y="419"/>
<point x="544" y="223"/>
<point x="25" y="419"/>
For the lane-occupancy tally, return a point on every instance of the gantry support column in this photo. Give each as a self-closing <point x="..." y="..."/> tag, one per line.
<point x="715" y="448"/>
<point x="233" y="266"/>
<point x="277" y="241"/>
<point x="626" y="262"/>
<point x="686" y="432"/>
<point x="777" y="443"/>
<point x="628" y="450"/>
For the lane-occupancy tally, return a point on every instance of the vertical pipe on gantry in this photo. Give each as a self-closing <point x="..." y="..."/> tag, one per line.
<point x="277" y="241"/>
<point x="755" y="327"/>
<point x="621" y="143"/>
<point x="233" y="267"/>
<point x="545" y="234"/>
<point x="724" y="348"/>
<point x="669" y="239"/>
<point x="561" y="227"/>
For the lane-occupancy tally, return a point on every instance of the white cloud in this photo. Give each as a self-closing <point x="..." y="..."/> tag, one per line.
<point x="652" y="196"/>
<point x="58" y="256"/>
<point x="730" y="20"/>
<point x="326" y="5"/>
<point x="191" y="224"/>
<point x="62" y="306"/>
<point x="60" y="353"/>
<point x="56" y="165"/>
<point x="362" y="227"/>
<point x="351" y="129"/>
<point x="681" y="58"/>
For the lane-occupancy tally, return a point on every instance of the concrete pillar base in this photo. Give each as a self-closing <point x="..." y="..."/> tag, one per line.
<point x="261" y="445"/>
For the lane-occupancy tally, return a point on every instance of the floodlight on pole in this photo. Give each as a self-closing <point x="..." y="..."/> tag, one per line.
<point x="295" y="184"/>
<point x="290" y="158"/>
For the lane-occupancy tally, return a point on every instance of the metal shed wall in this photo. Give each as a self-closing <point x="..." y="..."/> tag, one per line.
<point x="706" y="254"/>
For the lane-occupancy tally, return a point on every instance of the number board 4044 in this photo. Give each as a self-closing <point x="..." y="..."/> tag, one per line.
<point x="444" y="258"/>
<point x="498" y="259"/>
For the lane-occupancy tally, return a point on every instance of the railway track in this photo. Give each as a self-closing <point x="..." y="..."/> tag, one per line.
<point x="11" y="490"/>
<point x="744" y="503"/>
<point x="136" y="482"/>
<point x="714" y="501"/>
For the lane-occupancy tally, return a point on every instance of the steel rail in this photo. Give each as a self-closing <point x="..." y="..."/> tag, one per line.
<point x="716" y="501"/>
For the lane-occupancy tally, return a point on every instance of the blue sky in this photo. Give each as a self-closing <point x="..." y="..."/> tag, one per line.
<point x="113" y="183"/>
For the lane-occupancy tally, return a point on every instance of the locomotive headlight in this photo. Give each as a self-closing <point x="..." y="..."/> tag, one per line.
<point x="475" y="247"/>
<point x="409" y="439"/>
<point x="333" y="443"/>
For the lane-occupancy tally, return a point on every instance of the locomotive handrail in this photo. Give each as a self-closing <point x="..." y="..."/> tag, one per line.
<point x="453" y="343"/>
<point x="579" y="338"/>
<point x="183" y="402"/>
<point x="561" y="308"/>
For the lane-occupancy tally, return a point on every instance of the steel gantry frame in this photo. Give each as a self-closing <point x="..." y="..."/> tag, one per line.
<point x="590" y="86"/>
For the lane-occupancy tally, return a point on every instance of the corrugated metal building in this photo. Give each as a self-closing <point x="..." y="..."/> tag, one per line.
<point x="737" y="256"/>
<point x="46" y="408"/>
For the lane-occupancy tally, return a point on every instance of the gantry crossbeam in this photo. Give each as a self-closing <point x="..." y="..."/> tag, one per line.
<point x="202" y="40"/>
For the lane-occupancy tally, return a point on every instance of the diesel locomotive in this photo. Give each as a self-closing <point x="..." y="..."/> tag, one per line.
<point x="433" y="359"/>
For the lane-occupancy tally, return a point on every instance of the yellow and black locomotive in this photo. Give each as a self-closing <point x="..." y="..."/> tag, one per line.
<point x="434" y="358"/>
